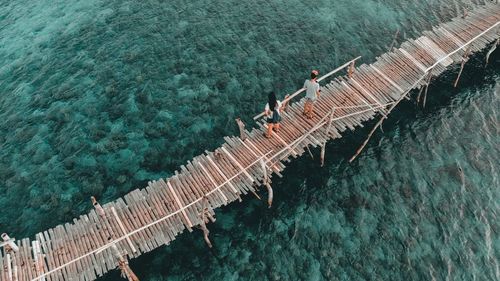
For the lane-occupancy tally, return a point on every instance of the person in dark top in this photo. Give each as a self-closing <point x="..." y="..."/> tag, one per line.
<point x="273" y="114"/>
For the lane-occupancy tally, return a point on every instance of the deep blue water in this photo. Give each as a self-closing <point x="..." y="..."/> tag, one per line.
<point x="97" y="97"/>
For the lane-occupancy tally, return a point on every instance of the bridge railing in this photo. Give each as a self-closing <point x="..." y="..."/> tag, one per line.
<point x="300" y="91"/>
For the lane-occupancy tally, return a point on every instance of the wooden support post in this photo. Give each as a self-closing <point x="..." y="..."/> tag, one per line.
<point x="125" y="269"/>
<point x="270" y="195"/>
<point x="465" y="14"/>
<point x="351" y="69"/>
<point x="329" y="126"/>
<point x="254" y="193"/>
<point x="425" y="92"/>
<point x="322" y="157"/>
<point x="204" y="221"/>
<point x="286" y="101"/>
<point x="267" y="184"/>
<point x="241" y="126"/>
<point x="394" y="40"/>
<point x="425" y="88"/>
<point x="493" y="48"/>
<point x="310" y="153"/>
<point x="421" y="90"/>
<point x="264" y="171"/>
<point x="379" y="123"/>
<point x="327" y="132"/>
<point x="465" y="58"/>
<point x="98" y="207"/>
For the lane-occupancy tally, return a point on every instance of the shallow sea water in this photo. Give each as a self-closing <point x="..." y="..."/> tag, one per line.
<point x="97" y="97"/>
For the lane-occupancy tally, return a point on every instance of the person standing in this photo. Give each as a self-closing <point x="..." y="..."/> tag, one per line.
<point x="312" y="93"/>
<point x="273" y="114"/>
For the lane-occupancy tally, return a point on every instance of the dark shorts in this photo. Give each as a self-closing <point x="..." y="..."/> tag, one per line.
<point x="275" y="119"/>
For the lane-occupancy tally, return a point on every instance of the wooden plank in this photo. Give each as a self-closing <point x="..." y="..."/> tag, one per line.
<point x="240" y="181"/>
<point x="131" y="223"/>
<point x="211" y="161"/>
<point x="213" y="181"/>
<point x="415" y="61"/>
<point x="21" y="258"/>
<point x="237" y="163"/>
<point x="68" y="250"/>
<point x="248" y="141"/>
<point x="215" y="199"/>
<point x="180" y="206"/>
<point x="97" y="243"/>
<point x="82" y="264"/>
<point x="167" y="226"/>
<point x="87" y="246"/>
<point x="47" y="256"/>
<point x="149" y="216"/>
<point x="171" y="205"/>
<point x="185" y="196"/>
<point x="58" y="252"/>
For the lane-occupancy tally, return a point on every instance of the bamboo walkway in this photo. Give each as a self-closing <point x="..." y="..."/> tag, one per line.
<point x="111" y="234"/>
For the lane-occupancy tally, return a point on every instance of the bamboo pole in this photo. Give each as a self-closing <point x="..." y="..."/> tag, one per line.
<point x="270" y="195"/>
<point x="104" y="218"/>
<point x="327" y="132"/>
<point x="379" y="123"/>
<point x="37" y="257"/>
<point x="241" y="126"/>
<point x="322" y="156"/>
<point x="266" y="182"/>
<point x="264" y="171"/>
<point x="98" y="207"/>
<point x="394" y="40"/>
<point x="9" y="267"/>
<point x="9" y="243"/>
<point x="203" y="226"/>
<point x="351" y="69"/>
<point x="123" y="265"/>
<point x="465" y="58"/>
<point x="122" y="227"/>
<point x="493" y="48"/>
<point x="310" y="153"/>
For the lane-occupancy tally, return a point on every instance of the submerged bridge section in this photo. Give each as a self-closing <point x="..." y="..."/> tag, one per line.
<point x="145" y="219"/>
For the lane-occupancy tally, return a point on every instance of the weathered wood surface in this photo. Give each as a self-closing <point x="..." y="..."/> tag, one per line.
<point x="153" y="216"/>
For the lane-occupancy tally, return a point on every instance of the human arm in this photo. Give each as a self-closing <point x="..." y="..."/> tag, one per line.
<point x="267" y="111"/>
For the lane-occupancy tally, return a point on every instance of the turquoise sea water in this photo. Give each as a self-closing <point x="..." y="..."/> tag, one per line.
<point x="97" y="97"/>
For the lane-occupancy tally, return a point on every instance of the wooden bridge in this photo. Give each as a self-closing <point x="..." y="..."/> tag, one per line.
<point x="111" y="234"/>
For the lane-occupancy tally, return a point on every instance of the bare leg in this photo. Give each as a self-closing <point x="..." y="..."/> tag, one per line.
<point x="269" y="130"/>
<point x="310" y="110"/>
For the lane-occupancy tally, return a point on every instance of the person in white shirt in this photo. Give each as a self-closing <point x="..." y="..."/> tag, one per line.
<point x="312" y="93"/>
<point x="273" y="114"/>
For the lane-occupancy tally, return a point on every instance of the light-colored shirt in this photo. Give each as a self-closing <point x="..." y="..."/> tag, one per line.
<point x="312" y="88"/>
<point x="278" y="108"/>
